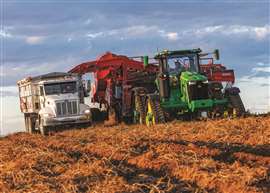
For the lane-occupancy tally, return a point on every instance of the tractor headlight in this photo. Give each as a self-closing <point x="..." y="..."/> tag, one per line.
<point x="87" y="111"/>
<point x="191" y="82"/>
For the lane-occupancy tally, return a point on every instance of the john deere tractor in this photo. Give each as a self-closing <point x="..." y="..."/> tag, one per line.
<point x="183" y="90"/>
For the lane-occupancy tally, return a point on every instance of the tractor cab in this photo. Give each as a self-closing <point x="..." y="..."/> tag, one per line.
<point x="181" y="86"/>
<point x="175" y="62"/>
<point x="177" y="67"/>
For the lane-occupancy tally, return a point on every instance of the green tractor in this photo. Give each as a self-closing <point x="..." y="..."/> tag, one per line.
<point x="183" y="90"/>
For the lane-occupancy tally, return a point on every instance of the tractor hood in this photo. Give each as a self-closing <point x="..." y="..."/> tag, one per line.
<point x="192" y="76"/>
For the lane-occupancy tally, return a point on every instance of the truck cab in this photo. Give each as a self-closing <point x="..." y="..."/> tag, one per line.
<point x="52" y="101"/>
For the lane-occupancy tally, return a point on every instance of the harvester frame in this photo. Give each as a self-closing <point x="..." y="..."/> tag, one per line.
<point x="131" y="89"/>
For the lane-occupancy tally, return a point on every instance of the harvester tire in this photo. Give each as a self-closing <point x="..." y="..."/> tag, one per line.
<point x="140" y="110"/>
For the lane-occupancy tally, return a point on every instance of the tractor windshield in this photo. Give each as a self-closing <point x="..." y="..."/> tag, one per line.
<point x="182" y="63"/>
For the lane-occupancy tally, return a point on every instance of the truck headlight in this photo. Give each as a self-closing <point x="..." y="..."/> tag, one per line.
<point x="87" y="111"/>
<point x="48" y="115"/>
<point x="191" y="82"/>
<point x="205" y="82"/>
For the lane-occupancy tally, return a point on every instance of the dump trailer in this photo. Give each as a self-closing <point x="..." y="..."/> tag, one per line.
<point x="53" y="100"/>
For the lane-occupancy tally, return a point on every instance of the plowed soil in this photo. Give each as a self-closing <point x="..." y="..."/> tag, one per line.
<point x="201" y="156"/>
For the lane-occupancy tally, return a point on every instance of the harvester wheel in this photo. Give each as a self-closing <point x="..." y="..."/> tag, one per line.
<point x="140" y="110"/>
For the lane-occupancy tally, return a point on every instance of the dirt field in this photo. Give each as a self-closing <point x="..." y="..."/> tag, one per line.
<point x="206" y="156"/>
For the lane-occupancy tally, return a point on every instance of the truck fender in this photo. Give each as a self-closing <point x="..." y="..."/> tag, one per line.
<point x="83" y="107"/>
<point x="46" y="110"/>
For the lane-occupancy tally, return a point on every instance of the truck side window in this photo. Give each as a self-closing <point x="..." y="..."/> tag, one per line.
<point x="41" y="90"/>
<point x="36" y="105"/>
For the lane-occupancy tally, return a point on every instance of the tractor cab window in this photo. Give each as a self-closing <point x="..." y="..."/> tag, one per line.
<point x="183" y="63"/>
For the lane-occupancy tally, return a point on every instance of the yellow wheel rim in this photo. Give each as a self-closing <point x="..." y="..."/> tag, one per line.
<point x="150" y="119"/>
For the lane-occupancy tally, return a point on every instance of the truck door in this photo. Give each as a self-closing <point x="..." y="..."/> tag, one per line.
<point x="42" y="97"/>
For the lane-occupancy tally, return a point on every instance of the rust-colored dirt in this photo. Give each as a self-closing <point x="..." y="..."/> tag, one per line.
<point x="203" y="156"/>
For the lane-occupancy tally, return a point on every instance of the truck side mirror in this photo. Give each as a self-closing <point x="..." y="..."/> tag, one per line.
<point x="216" y="54"/>
<point x="145" y="61"/>
<point x="41" y="93"/>
<point x="87" y="88"/>
<point x="88" y="85"/>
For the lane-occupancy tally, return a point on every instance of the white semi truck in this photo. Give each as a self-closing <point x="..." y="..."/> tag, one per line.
<point x="53" y="100"/>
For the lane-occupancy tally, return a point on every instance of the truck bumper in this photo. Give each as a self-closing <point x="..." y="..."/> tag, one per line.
<point x="58" y="121"/>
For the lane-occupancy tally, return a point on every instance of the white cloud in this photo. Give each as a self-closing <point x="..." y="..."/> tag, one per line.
<point x="172" y="36"/>
<point x="261" y="69"/>
<point x="131" y="31"/>
<point x="34" y="39"/>
<point x="7" y="91"/>
<point x="256" y="89"/>
<point x="259" y="33"/>
<point x="88" y="21"/>
<point x="69" y="39"/>
<point x="139" y="30"/>
<point x="255" y="32"/>
<point x="262" y="32"/>
<point x="5" y="34"/>
<point x="95" y="35"/>
<point x="255" y="93"/>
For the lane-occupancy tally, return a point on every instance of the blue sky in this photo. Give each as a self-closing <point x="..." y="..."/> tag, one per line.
<point x="44" y="36"/>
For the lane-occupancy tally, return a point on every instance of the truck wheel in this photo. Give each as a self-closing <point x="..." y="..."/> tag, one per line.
<point x="43" y="130"/>
<point x="32" y="123"/>
<point x="29" y="124"/>
<point x="26" y="122"/>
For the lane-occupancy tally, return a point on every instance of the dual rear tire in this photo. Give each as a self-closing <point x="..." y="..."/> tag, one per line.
<point x="31" y="123"/>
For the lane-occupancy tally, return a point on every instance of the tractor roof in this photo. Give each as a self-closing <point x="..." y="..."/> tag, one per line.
<point x="177" y="52"/>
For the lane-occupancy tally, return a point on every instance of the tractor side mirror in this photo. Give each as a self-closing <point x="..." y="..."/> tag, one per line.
<point x="145" y="61"/>
<point x="216" y="54"/>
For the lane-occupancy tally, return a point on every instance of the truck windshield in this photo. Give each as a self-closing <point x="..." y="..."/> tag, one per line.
<point x="60" y="88"/>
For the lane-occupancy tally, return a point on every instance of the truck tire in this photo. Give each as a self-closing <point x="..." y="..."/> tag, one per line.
<point x="29" y="123"/>
<point x="26" y="120"/>
<point x="32" y="124"/>
<point x="43" y="129"/>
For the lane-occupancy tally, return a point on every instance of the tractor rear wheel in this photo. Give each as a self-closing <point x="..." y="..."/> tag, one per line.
<point x="155" y="114"/>
<point x="236" y="106"/>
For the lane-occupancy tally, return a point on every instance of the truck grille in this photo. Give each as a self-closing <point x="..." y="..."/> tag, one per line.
<point x="66" y="108"/>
